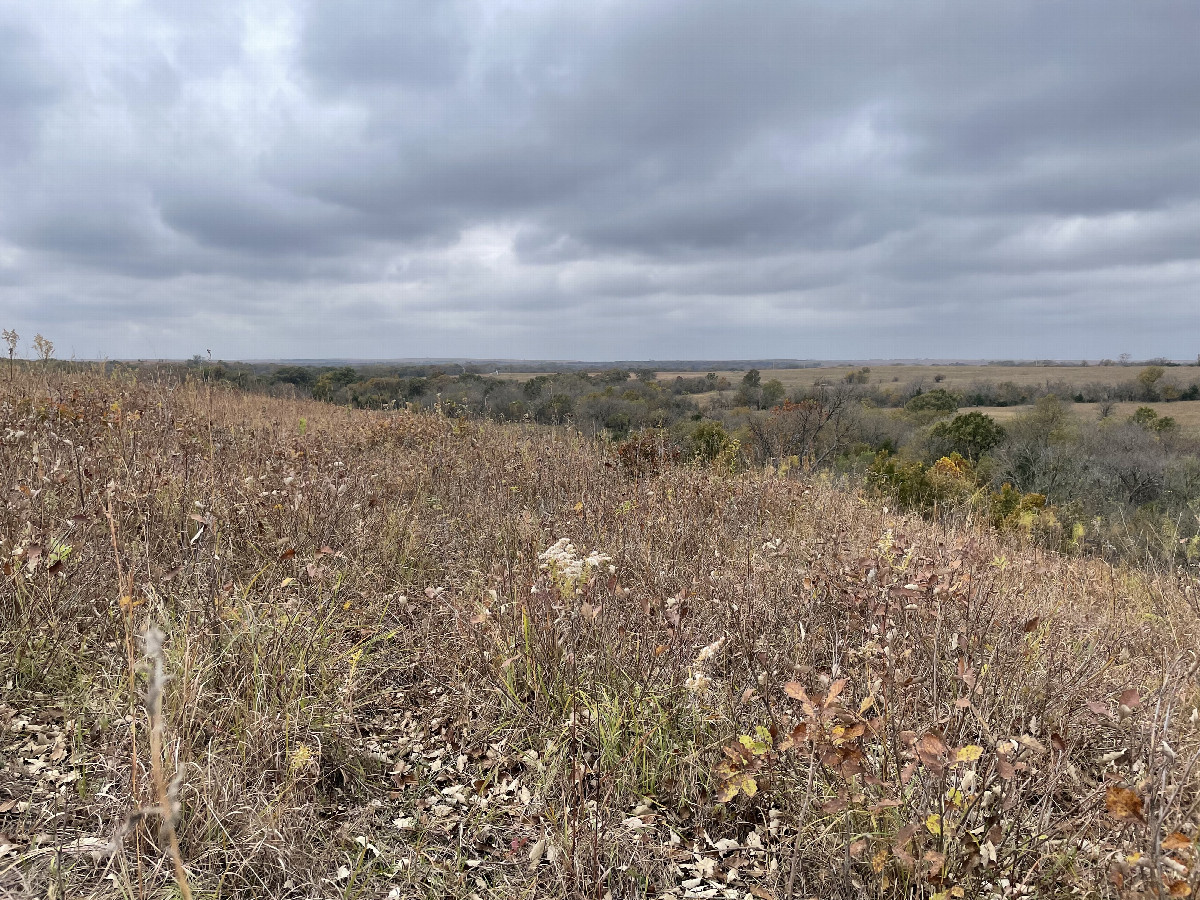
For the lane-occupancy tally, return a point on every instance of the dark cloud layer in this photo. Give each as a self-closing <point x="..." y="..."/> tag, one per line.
<point x="609" y="180"/>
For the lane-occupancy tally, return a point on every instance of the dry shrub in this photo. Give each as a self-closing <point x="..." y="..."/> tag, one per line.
<point x="379" y="683"/>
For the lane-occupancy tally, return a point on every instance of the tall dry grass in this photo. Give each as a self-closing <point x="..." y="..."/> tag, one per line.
<point x="376" y="682"/>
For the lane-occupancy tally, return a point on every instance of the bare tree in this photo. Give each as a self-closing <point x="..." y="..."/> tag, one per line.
<point x="44" y="348"/>
<point x="812" y="428"/>
<point x="11" y="338"/>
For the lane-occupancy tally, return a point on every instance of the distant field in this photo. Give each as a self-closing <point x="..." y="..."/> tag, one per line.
<point x="1185" y="412"/>
<point x="959" y="377"/>
<point x="953" y="377"/>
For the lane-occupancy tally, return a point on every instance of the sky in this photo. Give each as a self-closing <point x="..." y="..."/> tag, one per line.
<point x="603" y="180"/>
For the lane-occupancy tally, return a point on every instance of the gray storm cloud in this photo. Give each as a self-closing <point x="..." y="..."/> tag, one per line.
<point x="612" y="180"/>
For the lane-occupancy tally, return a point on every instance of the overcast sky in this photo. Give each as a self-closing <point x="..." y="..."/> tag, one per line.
<point x="600" y="180"/>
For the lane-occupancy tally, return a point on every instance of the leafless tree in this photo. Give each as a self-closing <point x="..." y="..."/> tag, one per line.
<point x="11" y="338"/>
<point x="813" y="427"/>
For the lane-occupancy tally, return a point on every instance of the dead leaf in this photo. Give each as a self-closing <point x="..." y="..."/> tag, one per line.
<point x="1100" y="709"/>
<point x="905" y="834"/>
<point x="1123" y="804"/>
<point x="536" y="852"/>
<point x="932" y="749"/>
<point x="795" y="690"/>
<point x="835" y="690"/>
<point x="1176" y="840"/>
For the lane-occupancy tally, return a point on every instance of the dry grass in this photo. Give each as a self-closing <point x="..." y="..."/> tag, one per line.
<point x="1184" y="412"/>
<point x="378" y="685"/>
<point x="958" y="378"/>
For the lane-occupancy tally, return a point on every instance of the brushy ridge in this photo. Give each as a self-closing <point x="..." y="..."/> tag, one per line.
<point x="403" y="655"/>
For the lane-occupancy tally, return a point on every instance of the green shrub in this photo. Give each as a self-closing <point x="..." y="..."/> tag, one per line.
<point x="970" y="435"/>
<point x="937" y="400"/>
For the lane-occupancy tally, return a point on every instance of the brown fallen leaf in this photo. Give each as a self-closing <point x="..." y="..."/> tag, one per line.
<point x="931" y="743"/>
<point x="795" y="690"/>
<point x="1176" y="840"/>
<point x="1123" y="804"/>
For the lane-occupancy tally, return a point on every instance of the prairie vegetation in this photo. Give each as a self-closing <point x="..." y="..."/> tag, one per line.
<point x="347" y="653"/>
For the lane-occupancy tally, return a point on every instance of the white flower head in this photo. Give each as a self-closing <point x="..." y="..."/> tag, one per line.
<point x="565" y="565"/>
<point x="710" y="652"/>
<point x="698" y="682"/>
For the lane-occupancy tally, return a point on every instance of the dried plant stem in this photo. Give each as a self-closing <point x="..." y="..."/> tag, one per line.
<point x="162" y="795"/>
<point x="794" y="867"/>
<point x="125" y="602"/>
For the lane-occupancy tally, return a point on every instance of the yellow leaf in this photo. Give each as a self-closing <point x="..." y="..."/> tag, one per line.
<point x="969" y="753"/>
<point x="758" y="748"/>
<point x="579" y="506"/>
<point x="128" y="603"/>
<point x="287" y="581"/>
<point x="749" y="786"/>
<point x="879" y="860"/>
<point x="934" y="824"/>
<point x="865" y="705"/>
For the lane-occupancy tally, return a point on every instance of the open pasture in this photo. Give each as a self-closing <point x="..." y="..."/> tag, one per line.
<point x="1185" y="412"/>
<point x="957" y="378"/>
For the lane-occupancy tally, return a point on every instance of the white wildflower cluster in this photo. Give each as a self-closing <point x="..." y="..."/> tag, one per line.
<point x="698" y="681"/>
<point x="710" y="652"/>
<point x="567" y="567"/>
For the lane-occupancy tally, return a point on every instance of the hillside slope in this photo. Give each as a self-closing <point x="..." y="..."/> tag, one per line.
<point x="399" y="655"/>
